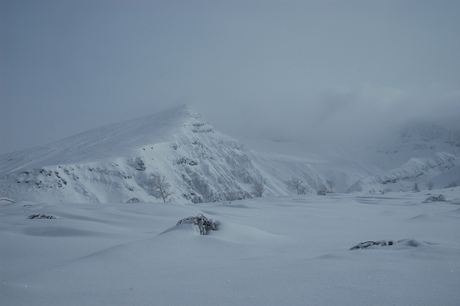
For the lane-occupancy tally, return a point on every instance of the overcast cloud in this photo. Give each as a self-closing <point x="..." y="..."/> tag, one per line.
<point x="310" y="68"/>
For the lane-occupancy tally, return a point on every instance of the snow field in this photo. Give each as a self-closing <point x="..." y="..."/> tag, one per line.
<point x="266" y="251"/>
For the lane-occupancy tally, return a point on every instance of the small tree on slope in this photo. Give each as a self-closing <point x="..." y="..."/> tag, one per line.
<point x="296" y="184"/>
<point x="330" y="184"/>
<point x="159" y="186"/>
<point x="258" y="188"/>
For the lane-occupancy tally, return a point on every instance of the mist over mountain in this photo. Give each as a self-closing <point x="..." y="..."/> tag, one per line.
<point x="116" y="162"/>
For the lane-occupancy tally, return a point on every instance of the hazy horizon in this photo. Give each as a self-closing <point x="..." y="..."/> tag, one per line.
<point x="312" y="69"/>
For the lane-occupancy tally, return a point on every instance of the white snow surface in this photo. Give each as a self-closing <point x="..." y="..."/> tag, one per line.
<point x="286" y="250"/>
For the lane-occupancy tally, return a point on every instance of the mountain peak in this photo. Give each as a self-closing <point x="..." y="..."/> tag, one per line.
<point x="110" y="141"/>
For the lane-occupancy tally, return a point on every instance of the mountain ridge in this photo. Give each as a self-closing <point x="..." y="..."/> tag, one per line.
<point x="114" y="163"/>
<point x="108" y="137"/>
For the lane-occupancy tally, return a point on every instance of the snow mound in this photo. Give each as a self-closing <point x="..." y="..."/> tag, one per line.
<point x="412" y="243"/>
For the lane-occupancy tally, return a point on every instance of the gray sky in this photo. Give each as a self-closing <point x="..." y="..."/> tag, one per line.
<point x="310" y="68"/>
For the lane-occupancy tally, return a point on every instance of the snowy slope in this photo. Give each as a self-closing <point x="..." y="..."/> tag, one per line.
<point x="290" y="250"/>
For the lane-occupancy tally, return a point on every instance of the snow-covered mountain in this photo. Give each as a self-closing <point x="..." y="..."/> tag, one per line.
<point x="421" y="153"/>
<point x="115" y="163"/>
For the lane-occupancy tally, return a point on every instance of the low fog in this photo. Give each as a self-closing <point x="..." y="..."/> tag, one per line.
<point x="337" y="114"/>
<point x="306" y="70"/>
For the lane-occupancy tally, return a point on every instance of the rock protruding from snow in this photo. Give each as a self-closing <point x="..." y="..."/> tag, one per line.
<point x="382" y="243"/>
<point x="41" y="216"/>
<point x="368" y="244"/>
<point x="439" y="198"/>
<point x="202" y="223"/>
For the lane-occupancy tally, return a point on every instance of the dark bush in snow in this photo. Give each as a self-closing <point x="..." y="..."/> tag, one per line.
<point x="201" y="222"/>
<point x="439" y="198"/>
<point x="185" y="161"/>
<point x="133" y="200"/>
<point x="321" y="192"/>
<point x="41" y="216"/>
<point x="367" y="244"/>
<point x="137" y="164"/>
<point x="453" y="184"/>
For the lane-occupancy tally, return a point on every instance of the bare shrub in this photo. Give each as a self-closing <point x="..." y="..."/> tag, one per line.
<point x="296" y="184"/>
<point x="330" y="184"/>
<point x="430" y="185"/>
<point x="159" y="186"/>
<point x="258" y="188"/>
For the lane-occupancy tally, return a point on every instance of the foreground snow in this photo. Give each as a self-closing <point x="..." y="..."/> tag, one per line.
<point x="266" y="251"/>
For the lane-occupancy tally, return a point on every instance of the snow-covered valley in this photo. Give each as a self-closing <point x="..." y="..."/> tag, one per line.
<point x="290" y="250"/>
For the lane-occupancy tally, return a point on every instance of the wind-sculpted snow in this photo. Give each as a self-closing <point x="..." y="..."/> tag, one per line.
<point x="266" y="251"/>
